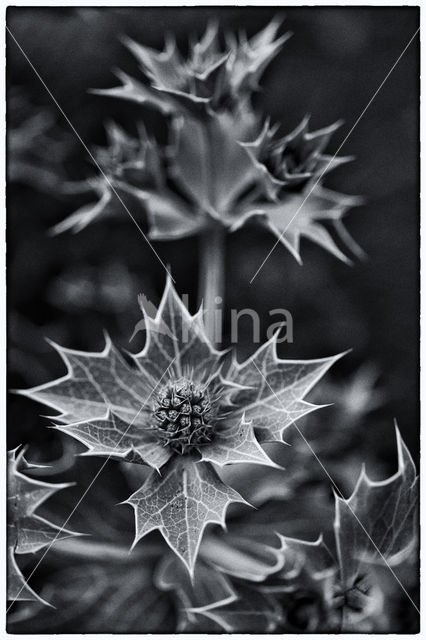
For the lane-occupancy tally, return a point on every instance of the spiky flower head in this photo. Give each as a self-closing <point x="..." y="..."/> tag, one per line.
<point x="293" y="203"/>
<point x="220" y="168"/>
<point x="135" y="159"/>
<point x="210" y="80"/>
<point x="131" y="182"/>
<point x="183" y="416"/>
<point x="291" y="161"/>
<point x="178" y="409"/>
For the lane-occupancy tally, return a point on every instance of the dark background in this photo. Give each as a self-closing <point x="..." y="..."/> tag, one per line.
<point x="68" y="288"/>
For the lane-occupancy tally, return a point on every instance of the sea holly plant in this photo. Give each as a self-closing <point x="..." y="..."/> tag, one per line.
<point x="198" y="437"/>
<point x="179" y="409"/>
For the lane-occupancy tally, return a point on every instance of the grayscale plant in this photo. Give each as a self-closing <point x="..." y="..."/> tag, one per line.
<point x="199" y="436"/>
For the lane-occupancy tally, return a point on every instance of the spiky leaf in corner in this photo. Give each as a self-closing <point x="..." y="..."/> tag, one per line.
<point x="376" y="525"/>
<point x="27" y="532"/>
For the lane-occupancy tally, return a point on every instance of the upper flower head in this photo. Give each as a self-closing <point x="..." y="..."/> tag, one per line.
<point x="220" y="168"/>
<point x="210" y="80"/>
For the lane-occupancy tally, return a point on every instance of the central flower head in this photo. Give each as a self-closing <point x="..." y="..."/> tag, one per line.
<point x="182" y="416"/>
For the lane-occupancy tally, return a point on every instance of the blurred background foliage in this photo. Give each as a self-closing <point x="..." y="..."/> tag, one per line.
<point x="70" y="287"/>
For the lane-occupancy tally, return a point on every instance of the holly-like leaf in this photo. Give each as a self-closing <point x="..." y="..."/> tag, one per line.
<point x="269" y="391"/>
<point x="113" y="199"/>
<point x="27" y="532"/>
<point x="169" y="76"/>
<point x="94" y="382"/>
<point x="135" y="91"/>
<point x="272" y="389"/>
<point x="250" y="57"/>
<point x="378" y="523"/>
<point x="177" y="340"/>
<point x="181" y="503"/>
<point x="314" y="558"/>
<point x="298" y="215"/>
<point x="236" y="443"/>
<point x="114" y="438"/>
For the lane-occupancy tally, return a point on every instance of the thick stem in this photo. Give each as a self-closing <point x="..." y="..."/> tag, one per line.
<point x="211" y="285"/>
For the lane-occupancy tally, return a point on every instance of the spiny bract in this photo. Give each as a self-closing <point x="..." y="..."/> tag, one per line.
<point x="211" y="80"/>
<point x="26" y="531"/>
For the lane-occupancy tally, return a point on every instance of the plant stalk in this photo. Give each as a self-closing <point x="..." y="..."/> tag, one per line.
<point x="211" y="285"/>
<point x="81" y="548"/>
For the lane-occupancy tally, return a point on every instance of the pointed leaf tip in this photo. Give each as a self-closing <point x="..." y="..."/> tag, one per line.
<point x="190" y="494"/>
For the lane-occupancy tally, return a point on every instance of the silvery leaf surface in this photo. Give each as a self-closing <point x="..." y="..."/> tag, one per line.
<point x="236" y="443"/>
<point x="94" y="382"/>
<point x="301" y="215"/>
<point x="112" y="437"/>
<point x="181" y="503"/>
<point x="267" y="389"/>
<point x="377" y="524"/>
<point x="273" y="389"/>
